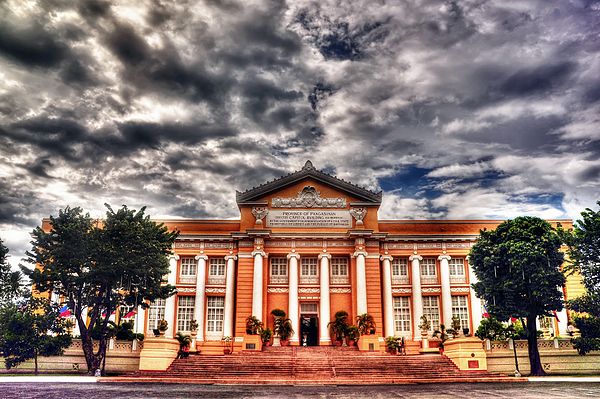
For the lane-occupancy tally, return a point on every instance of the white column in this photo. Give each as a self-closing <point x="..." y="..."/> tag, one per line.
<point x="324" y="306"/>
<point x="417" y="299"/>
<point x="293" y="297"/>
<point x="170" y="302"/>
<point x="229" y="291"/>
<point x="257" y="284"/>
<point x="361" y="282"/>
<point x="388" y="301"/>
<point x="476" y="308"/>
<point x="140" y="318"/>
<point x="200" y="295"/>
<point x="446" y="295"/>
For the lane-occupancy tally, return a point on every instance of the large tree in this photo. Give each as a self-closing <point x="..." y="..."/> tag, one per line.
<point x="518" y="268"/>
<point x="10" y="281"/>
<point x="584" y="258"/>
<point x="99" y="266"/>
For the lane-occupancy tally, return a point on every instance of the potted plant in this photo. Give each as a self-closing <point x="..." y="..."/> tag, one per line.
<point x="285" y="330"/>
<point x="456" y="327"/>
<point x="338" y="327"/>
<point x="392" y="344"/>
<point x="277" y="314"/>
<point x="184" y="345"/>
<point x="193" y="327"/>
<point x="265" y="336"/>
<point x="227" y="345"/>
<point x="162" y="327"/>
<point x="253" y="325"/>
<point x="366" y="324"/>
<point x="442" y="334"/>
<point x="352" y="335"/>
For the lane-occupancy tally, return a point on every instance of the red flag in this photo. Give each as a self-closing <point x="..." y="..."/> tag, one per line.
<point x="129" y="315"/>
<point x="65" y="311"/>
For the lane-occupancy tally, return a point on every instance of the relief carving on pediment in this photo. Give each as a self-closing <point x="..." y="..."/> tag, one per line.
<point x="309" y="197"/>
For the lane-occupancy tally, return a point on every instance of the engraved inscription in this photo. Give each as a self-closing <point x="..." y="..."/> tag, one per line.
<point x="309" y="219"/>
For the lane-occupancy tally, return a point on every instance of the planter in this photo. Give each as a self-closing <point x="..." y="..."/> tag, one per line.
<point x="337" y="343"/>
<point x="351" y="342"/>
<point x="285" y="342"/>
<point x="226" y="351"/>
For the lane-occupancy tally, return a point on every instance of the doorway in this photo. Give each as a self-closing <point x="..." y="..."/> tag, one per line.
<point x="309" y="330"/>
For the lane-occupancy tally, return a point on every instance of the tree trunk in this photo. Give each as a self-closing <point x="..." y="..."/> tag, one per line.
<point x="534" y="354"/>
<point x="93" y="360"/>
<point x="35" y="361"/>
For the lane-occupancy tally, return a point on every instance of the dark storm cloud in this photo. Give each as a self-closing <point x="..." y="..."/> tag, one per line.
<point x="538" y="79"/>
<point x="32" y="45"/>
<point x="153" y="134"/>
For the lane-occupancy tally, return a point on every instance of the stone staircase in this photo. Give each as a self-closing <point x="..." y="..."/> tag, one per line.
<point x="310" y="365"/>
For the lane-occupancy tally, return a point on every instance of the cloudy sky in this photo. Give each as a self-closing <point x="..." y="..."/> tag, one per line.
<point x="458" y="109"/>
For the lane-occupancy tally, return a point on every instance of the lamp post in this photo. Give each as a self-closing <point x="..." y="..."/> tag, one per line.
<point x="512" y="332"/>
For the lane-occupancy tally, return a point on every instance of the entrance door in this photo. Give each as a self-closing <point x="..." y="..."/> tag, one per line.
<point x="309" y="330"/>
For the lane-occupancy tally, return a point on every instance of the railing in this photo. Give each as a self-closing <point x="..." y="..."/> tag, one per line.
<point x="429" y="280"/>
<point x="187" y="279"/>
<point x="339" y="280"/>
<point x="399" y="280"/>
<point x="309" y="280"/>
<point x="278" y="279"/>
<point x="114" y="346"/>
<point x="545" y="344"/>
<point x="458" y="279"/>
<point x="216" y="280"/>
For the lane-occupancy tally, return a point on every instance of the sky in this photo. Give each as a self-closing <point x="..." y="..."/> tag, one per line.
<point x="455" y="109"/>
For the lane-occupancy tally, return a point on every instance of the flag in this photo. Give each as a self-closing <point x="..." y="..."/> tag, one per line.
<point x="129" y="315"/>
<point x="485" y="313"/>
<point x="104" y="313"/>
<point x="64" y="311"/>
<point x="513" y="320"/>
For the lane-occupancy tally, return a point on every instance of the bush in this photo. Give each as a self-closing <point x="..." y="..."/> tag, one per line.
<point x="492" y="329"/>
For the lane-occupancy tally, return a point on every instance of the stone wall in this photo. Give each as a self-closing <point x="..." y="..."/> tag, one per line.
<point x="121" y="357"/>
<point x="558" y="358"/>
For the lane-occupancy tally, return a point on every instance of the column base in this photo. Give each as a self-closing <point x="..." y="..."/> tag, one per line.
<point x="325" y="342"/>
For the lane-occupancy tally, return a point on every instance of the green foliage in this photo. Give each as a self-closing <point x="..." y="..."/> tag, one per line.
<point x="253" y="325"/>
<point x="183" y="339"/>
<point x="11" y="282"/>
<point x="162" y="325"/>
<point x="353" y="333"/>
<point x="278" y="313"/>
<point x="101" y="267"/>
<point x="265" y="335"/>
<point x="284" y="328"/>
<point x="366" y="324"/>
<point x="392" y="344"/>
<point x="339" y="325"/>
<point x="492" y="329"/>
<point x="589" y="327"/>
<point x="518" y="268"/>
<point x="442" y="334"/>
<point x="456" y="327"/>
<point x="424" y="325"/>
<point x="30" y="329"/>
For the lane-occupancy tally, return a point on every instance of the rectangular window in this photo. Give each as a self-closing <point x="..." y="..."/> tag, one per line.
<point x="214" y="314"/>
<point x="188" y="266"/>
<point x="460" y="309"/>
<point x="339" y="270"/>
<point x="401" y="315"/>
<point x="216" y="271"/>
<point x="156" y="312"/>
<point x="185" y="312"/>
<point x="279" y="274"/>
<point x="431" y="310"/>
<point x="309" y="271"/>
<point x="456" y="267"/>
<point x="428" y="271"/>
<point x="400" y="271"/>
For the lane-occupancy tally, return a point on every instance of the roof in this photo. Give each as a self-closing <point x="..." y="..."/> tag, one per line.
<point x="308" y="171"/>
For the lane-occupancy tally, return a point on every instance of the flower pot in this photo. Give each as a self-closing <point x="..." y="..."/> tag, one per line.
<point x="351" y="342"/>
<point x="285" y="342"/>
<point x="226" y="351"/>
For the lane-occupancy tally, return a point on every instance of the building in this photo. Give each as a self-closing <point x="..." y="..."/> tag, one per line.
<point x="312" y="244"/>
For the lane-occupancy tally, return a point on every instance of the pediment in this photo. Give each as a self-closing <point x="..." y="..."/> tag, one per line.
<point x="308" y="196"/>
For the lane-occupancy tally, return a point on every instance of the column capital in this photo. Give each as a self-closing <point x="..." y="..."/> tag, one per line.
<point x="201" y="256"/>
<point x="444" y="257"/>
<point x="324" y="255"/>
<point x="386" y="257"/>
<point x="359" y="253"/>
<point x="230" y="257"/>
<point x="294" y="255"/>
<point x="259" y="252"/>
<point x="174" y="256"/>
<point x="415" y="256"/>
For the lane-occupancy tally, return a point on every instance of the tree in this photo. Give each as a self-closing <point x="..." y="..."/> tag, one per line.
<point x="11" y="282"/>
<point x="100" y="267"/>
<point x="584" y="258"/>
<point x="518" y="268"/>
<point x="31" y="329"/>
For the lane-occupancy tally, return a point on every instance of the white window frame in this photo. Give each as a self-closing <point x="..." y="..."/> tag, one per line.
<point x="339" y="270"/>
<point x="278" y="270"/>
<point x="460" y="308"/>
<point x="185" y="312"/>
<point x="431" y="309"/>
<point x="216" y="271"/>
<point x="156" y="312"/>
<point x="456" y="269"/>
<point x="402" y="316"/>
<point x="428" y="270"/>
<point x="400" y="271"/>
<point x="188" y="267"/>
<point x="215" y="316"/>
<point x="309" y="270"/>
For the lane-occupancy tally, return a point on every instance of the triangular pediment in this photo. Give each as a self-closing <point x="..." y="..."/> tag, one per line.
<point x="306" y="173"/>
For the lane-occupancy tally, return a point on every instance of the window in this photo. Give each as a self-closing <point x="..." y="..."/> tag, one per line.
<point x="215" y="314"/>
<point x="188" y="266"/>
<point x="216" y="271"/>
<point x="428" y="271"/>
<point x="399" y="271"/>
<point x="460" y="309"/>
<point x="401" y="315"/>
<point x="156" y="312"/>
<point x="339" y="271"/>
<point x="279" y="271"/>
<point x="431" y="310"/>
<point x="456" y="266"/>
<point x="185" y="312"/>
<point x="309" y="271"/>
